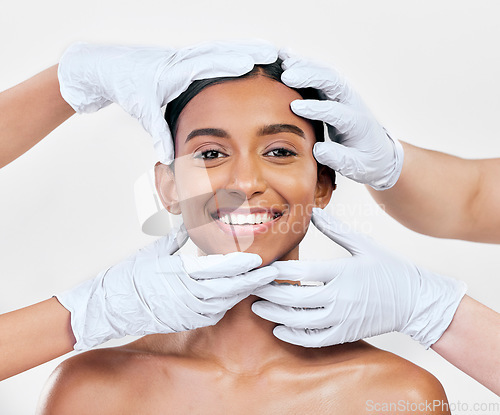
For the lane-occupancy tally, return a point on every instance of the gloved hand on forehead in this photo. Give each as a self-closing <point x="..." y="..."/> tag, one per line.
<point x="157" y="292"/>
<point x="371" y="293"/>
<point x="361" y="149"/>
<point x="143" y="79"/>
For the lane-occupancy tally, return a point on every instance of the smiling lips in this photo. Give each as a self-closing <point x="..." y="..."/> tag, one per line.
<point x="246" y="221"/>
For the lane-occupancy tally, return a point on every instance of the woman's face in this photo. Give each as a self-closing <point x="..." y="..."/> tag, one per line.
<point x="245" y="178"/>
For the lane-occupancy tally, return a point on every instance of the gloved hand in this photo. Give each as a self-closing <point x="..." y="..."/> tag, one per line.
<point x="361" y="148"/>
<point x="371" y="293"/>
<point x="155" y="292"/>
<point x="143" y="79"/>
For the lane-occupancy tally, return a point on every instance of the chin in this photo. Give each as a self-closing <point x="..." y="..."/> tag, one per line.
<point x="271" y="254"/>
<point x="278" y="250"/>
<point x="270" y="245"/>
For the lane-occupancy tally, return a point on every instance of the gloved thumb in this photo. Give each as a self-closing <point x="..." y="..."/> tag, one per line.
<point x="339" y="158"/>
<point x="219" y="266"/>
<point x="176" y="239"/>
<point x="168" y="244"/>
<point x="162" y="139"/>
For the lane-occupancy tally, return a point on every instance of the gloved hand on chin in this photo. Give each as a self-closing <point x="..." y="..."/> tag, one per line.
<point x="371" y="293"/>
<point x="157" y="292"/>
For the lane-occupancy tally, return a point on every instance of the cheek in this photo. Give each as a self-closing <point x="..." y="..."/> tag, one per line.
<point x="297" y="185"/>
<point x="191" y="182"/>
<point x="194" y="190"/>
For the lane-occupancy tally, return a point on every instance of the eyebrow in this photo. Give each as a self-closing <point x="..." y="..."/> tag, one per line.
<point x="214" y="132"/>
<point x="265" y="130"/>
<point x="281" y="128"/>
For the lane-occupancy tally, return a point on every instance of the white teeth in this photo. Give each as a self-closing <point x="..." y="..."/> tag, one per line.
<point x="251" y="219"/>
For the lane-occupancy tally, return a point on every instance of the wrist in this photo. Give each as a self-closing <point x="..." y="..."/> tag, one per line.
<point x="86" y="304"/>
<point x="394" y="171"/>
<point x="437" y="303"/>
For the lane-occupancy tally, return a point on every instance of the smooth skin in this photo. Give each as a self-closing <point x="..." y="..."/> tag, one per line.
<point x="20" y="129"/>
<point x="29" y="111"/>
<point x="445" y="196"/>
<point x="448" y="197"/>
<point x="238" y="366"/>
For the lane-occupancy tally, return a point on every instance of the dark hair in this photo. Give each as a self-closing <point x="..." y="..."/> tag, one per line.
<point x="272" y="71"/>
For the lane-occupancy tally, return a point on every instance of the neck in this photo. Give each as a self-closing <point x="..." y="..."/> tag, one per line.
<point x="241" y="341"/>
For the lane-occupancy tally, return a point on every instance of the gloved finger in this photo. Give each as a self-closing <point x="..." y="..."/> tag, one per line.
<point x="154" y="123"/>
<point x="329" y="81"/>
<point x="165" y="246"/>
<point x="349" y="162"/>
<point x="244" y="283"/>
<point x="173" y="81"/>
<point x="296" y="296"/>
<point x="177" y="307"/>
<point x="260" y="50"/>
<point x="217" y="266"/>
<point x="162" y="140"/>
<point x="284" y="54"/>
<point x="339" y="115"/>
<point x="241" y="284"/>
<point x="308" y="337"/>
<point x="174" y="240"/>
<point x="290" y="58"/>
<point x="184" y="301"/>
<point x="333" y="155"/>
<point x="341" y="233"/>
<point x="212" y="306"/>
<point x="226" y="303"/>
<point x="217" y="65"/>
<point x="340" y="158"/>
<point x="293" y="317"/>
<point x="303" y="270"/>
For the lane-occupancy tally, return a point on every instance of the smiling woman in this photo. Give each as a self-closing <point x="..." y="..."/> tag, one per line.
<point x="238" y="144"/>
<point x="244" y="178"/>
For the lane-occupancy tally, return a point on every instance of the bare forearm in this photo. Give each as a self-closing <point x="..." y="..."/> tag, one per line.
<point x="472" y="343"/>
<point x="445" y="196"/>
<point x="28" y="112"/>
<point x="33" y="335"/>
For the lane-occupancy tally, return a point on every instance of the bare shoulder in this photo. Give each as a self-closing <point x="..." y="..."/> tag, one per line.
<point x="399" y="386"/>
<point x="97" y="381"/>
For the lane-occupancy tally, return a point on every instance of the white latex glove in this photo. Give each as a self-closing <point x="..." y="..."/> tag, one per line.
<point x="143" y="79"/>
<point x="155" y="292"/>
<point x="361" y="148"/>
<point x="370" y="293"/>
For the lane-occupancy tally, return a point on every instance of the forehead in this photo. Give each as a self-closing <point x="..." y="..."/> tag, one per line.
<point x="243" y="103"/>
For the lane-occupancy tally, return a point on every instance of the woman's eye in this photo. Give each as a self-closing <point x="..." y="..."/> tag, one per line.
<point x="281" y="152"/>
<point x="209" y="155"/>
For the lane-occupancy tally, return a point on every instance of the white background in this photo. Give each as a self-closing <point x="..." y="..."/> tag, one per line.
<point x="429" y="70"/>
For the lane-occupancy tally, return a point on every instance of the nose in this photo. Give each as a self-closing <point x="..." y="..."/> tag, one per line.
<point x="246" y="178"/>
